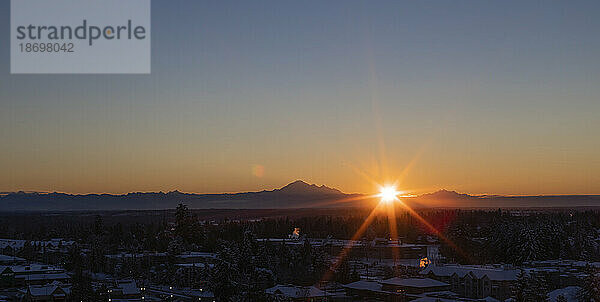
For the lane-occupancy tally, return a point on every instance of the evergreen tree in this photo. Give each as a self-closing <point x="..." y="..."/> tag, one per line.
<point x="222" y="282"/>
<point x="98" y="225"/>
<point x="590" y="288"/>
<point x="530" y="288"/>
<point x="183" y="226"/>
<point x="82" y="289"/>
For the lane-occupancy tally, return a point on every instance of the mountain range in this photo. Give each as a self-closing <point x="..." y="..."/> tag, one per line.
<point x="297" y="194"/>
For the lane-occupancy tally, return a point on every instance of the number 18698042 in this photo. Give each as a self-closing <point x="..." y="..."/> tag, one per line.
<point x="46" y="47"/>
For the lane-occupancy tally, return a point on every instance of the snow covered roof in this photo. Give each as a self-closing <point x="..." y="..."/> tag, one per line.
<point x="181" y="293"/>
<point x="55" y="242"/>
<point x="315" y="242"/>
<point x="293" y="291"/>
<point x="555" y="262"/>
<point x="433" y="299"/>
<point x="41" y="277"/>
<point x="128" y="287"/>
<point x="136" y="255"/>
<point x="45" y="290"/>
<point x="19" y="244"/>
<point x="364" y="285"/>
<point x="7" y="258"/>
<point x="477" y="271"/>
<point x="14" y="243"/>
<point x="34" y="267"/>
<point x="198" y="265"/>
<point x="413" y="282"/>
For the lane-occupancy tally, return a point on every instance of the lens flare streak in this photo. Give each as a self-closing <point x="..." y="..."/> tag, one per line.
<point x="391" y="212"/>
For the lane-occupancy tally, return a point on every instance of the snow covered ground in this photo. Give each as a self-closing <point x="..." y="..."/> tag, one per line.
<point x="569" y="292"/>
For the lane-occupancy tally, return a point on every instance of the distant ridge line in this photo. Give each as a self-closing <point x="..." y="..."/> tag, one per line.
<point x="297" y="194"/>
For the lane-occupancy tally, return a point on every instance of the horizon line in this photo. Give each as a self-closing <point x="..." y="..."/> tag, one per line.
<point x="4" y="193"/>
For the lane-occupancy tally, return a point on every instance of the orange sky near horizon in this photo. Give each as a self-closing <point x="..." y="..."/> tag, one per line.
<point x="486" y="170"/>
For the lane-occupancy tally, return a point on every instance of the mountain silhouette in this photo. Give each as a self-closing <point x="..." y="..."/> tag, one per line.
<point x="297" y="194"/>
<point x="452" y="199"/>
<point x="446" y="194"/>
<point x="301" y="187"/>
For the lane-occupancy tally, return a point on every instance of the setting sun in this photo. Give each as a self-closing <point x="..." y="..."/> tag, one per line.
<point x="388" y="193"/>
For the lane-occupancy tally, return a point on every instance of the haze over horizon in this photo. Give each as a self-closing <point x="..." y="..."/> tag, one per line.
<point x="477" y="97"/>
<point x="301" y="185"/>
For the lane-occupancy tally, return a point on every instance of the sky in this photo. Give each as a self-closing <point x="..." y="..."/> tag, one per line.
<point x="495" y="97"/>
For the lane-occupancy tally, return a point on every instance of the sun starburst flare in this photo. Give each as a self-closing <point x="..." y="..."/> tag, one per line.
<point x="389" y="196"/>
<point x="388" y="193"/>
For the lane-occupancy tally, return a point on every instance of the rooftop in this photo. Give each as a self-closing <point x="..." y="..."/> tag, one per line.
<point x="47" y="290"/>
<point x="7" y="258"/>
<point x="364" y="285"/>
<point x="41" y="277"/>
<point x="477" y="271"/>
<point x="293" y="291"/>
<point x="413" y="282"/>
<point x="128" y="287"/>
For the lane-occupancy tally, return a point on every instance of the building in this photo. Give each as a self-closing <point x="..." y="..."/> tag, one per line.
<point x="371" y="291"/>
<point x="197" y="257"/>
<point x="49" y="292"/>
<point x="11" y="260"/>
<point x="126" y="290"/>
<point x="296" y="293"/>
<point x="114" y="262"/>
<point x="58" y="245"/>
<point x="42" y="279"/>
<point x="10" y="246"/>
<point x="7" y="277"/>
<point x="169" y="292"/>
<point x="475" y="281"/>
<point x="559" y="273"/>
<point x="388" y="248"/>
<point x="413" y="286"/>
<point x="394" y="289"/>
<point x="378" y="248"/>
<point x="32" y="274"/>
